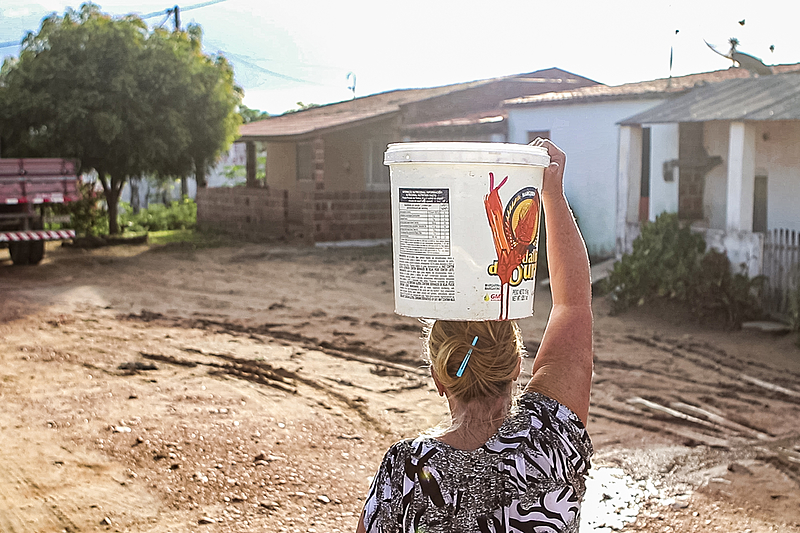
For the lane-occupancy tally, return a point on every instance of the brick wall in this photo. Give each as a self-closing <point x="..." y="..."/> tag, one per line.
<point x="244" y="212"/>
<point x="345" y="215"/>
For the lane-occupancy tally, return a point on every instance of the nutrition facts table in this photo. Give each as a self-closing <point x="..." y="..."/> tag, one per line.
<point x="425" y="269"/>
<point x="424" y="221"/>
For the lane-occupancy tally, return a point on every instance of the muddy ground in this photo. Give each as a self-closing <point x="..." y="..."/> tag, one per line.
<point x="256" y="388"/>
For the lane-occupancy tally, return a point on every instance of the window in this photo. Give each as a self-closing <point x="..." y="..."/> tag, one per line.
<point x="644" y="184"/>
<point x="305" y="161"/>
<point x="376" y="173"/>
<point x="760" y="204"/>
<point x="544" y="134"/>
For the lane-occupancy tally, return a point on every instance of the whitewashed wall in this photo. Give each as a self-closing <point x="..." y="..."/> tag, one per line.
<point x="777" y="156"/>
<point x="663" y="147"/>
<point x="588" y="133"/>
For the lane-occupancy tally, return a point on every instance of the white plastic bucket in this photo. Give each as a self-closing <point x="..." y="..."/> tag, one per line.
<point x="465" y="228"/>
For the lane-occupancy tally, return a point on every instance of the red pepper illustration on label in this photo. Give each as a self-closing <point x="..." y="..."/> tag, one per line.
<point x="515" y="230"/>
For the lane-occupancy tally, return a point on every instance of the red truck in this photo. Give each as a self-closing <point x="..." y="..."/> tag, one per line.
<point x="28" y="184"/>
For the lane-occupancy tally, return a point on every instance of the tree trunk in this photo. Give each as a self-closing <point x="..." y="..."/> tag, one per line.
<point x="200" y="174"/>
<point x="135" y="201"/>
<point x="184" y="188"/>
<point x="112" y="187"/>
<point x="113" y="216"/>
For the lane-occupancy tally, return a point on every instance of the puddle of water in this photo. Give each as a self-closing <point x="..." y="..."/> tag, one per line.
<point x="613" y="499"/>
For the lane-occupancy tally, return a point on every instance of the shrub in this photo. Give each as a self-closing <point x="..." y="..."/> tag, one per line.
<point x="87" y="216"/>
<point x="668" y="261"/>
<point x="160" y="217"/>
<point x="794" y="305"/>
<point x="716" y="290"/>
<point x="664" y="258"/>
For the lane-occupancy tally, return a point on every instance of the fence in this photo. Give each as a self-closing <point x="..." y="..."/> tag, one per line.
<point x="347" y="215"/>
<point x="782" y="269"/>
<point x="249" y="213"/>
<point x="262" y="214"/>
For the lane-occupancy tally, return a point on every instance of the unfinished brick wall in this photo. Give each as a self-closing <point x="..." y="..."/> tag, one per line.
<point x="345" y="215"/>
<point x="249" y="213"/>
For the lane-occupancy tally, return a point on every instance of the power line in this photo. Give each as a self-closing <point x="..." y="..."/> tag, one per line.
<point x="171" y="10"/>
<point x="268" y="71"/>
<point x="168" y="12"/>
<point x="175" y="10"/>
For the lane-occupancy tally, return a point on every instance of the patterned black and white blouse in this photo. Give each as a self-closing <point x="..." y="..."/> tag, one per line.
<point x="529" y="477"/>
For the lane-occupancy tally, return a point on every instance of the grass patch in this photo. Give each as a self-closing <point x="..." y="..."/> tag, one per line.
<point x="198" y="239"/>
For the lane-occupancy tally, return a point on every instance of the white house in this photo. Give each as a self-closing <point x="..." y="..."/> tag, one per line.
<point x="615" y="171"/>
<point x="725" y="156"/>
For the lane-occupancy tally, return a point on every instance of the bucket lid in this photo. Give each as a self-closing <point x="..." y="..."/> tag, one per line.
<point x="466" y="152"/>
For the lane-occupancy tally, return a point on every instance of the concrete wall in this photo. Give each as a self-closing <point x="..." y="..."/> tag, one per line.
<point x="344" y="215"/>
<point x="743" y="248"/>
<point x="254" y="214"/>
<point x="589" y="134"/>
<point x="262" y="214"/>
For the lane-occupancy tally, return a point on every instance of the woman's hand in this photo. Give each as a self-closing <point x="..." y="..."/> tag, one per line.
<point x="553" y="182"/>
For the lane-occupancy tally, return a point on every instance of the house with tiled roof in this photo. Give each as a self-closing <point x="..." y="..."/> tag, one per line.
<point x="325" y="177"/>
<point x="589" y="123"/>
<point x="728" y="163"/>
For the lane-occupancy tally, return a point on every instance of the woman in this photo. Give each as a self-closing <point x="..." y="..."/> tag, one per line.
<point x="501" y="467"/>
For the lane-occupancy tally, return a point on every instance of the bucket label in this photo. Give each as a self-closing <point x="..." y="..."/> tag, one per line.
<point x="425" y="221"/>
<point x="514" y="230"/>
<point x="428" y="278"/>
<point x="426" y="271"/>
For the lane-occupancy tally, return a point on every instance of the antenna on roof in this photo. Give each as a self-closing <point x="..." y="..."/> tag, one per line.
<point x="353" y="86"/>
<point x="671" y="48"/>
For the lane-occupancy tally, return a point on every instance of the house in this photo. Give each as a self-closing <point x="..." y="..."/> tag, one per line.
<point x="325" y="177"/>
<point x="725" y="157"/>
<point x="603" y="156"/>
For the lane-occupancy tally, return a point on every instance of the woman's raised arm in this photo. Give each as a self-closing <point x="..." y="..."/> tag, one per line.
<point x="562" y="369"/>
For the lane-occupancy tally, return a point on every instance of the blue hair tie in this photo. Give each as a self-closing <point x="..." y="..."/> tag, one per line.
<point x="466" y="358"/>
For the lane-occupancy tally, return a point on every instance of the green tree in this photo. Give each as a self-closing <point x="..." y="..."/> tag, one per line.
<point x="251" y="115"/>
<point x="212" y="99"/>
<point x="121" y="99"/>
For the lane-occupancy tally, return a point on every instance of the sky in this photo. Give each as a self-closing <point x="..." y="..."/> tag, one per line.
<point x="312" y="51"/>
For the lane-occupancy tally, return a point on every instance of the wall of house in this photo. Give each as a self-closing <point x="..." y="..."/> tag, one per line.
<point x="776" y="156"/>
<point x="663" y="147"/>
<point x="282" y="176"/>
<point x="589" y="134"/>
<point x="281" y="166"/>
<point x="344" y="170"/>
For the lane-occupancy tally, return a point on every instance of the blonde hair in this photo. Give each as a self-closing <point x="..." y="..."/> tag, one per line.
<point x="492" y="364"/>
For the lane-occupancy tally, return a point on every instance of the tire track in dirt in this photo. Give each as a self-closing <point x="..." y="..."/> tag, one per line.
<point x="701" y="395"/>
<point x="350" y="349"/>
<point x="44" y="512"/>
<point x="265" y="374"/>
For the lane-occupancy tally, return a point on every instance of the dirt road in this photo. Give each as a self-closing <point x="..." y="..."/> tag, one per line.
<point x="256" y="388"/>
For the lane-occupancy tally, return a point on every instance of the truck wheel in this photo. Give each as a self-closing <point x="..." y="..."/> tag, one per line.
<point x="20" y="252"/>
<point x="35" y="252"/>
